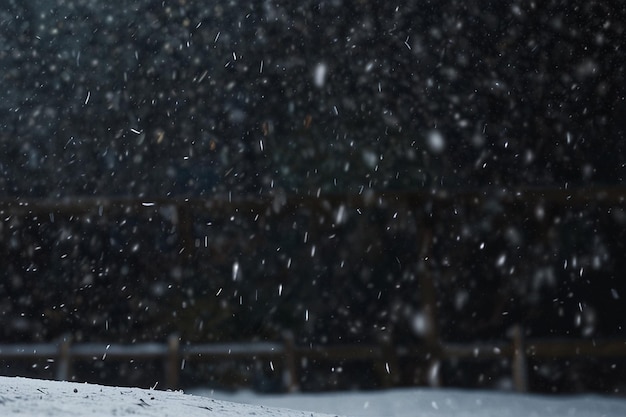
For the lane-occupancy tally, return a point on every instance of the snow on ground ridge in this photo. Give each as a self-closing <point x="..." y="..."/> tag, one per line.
<point x="32" y="397"/>
<point x="426" y="402"/>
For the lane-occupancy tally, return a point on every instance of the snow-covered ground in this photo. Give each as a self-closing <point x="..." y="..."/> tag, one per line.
<point x="34" y="397"/>
<point x="31" y="397"/>
<point x="424" y="402"/>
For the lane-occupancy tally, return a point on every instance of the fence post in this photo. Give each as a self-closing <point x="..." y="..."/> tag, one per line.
<point x="388" y="367"/>
<point x="64" y="358"/>
<point x="291" y="374"/>
<point x="520" y="368"/>
<point x="172" y="363"/>
<point x="429" y="308"/>
<point x="185" y="230"/>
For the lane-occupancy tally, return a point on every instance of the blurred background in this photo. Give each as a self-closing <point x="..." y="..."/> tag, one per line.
<point x="397" y="193"/>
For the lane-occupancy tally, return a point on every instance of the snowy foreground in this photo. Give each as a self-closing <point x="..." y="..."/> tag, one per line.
<point x="423" y="402"/>
<point x="34" y="397"/>
<point x="31" y="397"/>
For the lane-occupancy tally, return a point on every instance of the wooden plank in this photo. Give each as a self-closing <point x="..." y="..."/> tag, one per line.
<point x="139" y="350"/>
<point x="477" y="350"/>
<point x="341" y="352"/>
<point x="428" y="299"/>
<point x="574" y="348"/>
<point x="233" y="350"/>
<point x="172" y="362"/>
<point x="520" y="367"/>
<point x="77" y="205"/>
<point x="64" y="359"/>
<point x="291" y="375"/>
<point x="35" y="350"/>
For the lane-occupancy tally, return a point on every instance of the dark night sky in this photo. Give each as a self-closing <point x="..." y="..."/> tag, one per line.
<point x="171" y="98"/>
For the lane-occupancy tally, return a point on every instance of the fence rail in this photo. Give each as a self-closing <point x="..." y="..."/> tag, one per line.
<point x="384" y="358"/>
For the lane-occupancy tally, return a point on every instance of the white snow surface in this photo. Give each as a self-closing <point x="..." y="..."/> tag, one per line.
<point x="33" y="397"/>
<point x="426" y="402"/>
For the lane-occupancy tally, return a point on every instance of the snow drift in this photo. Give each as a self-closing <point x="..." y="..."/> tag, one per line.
<point x="32" y="397"/>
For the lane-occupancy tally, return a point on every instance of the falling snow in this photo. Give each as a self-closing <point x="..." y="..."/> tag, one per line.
<point x="407" y="174"/>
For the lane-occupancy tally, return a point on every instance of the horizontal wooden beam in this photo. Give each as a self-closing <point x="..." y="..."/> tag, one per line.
<point x="574" y="348"/>
<point x="512" y="195"/>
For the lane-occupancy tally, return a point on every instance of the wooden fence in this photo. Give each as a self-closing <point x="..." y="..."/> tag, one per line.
<point x="288" y="355"/>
